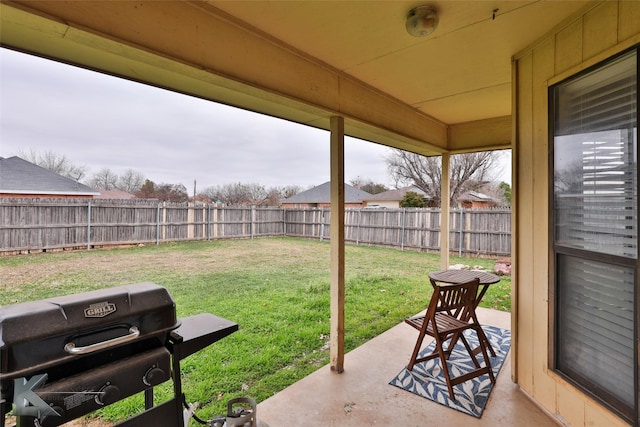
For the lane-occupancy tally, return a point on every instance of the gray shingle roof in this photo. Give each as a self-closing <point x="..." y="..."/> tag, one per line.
<point x="18" y="176"/>
<point x="322" y="194"/>
<point x="475" y="196"/>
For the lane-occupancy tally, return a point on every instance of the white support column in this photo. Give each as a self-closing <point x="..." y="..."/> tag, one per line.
<point x="444" y="215"/>
<point x="336" y="349"/>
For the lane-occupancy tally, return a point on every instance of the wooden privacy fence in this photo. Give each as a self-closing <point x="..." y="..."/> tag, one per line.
<point x="28" y="225"/>
<point x="472" y="231"/>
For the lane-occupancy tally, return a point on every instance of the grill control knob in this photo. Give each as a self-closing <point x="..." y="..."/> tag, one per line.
<point x="154" y="376"/>
<point x="108" y="394"/>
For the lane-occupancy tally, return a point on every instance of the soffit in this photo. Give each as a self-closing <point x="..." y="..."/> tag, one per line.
<point x="460" y="73"/>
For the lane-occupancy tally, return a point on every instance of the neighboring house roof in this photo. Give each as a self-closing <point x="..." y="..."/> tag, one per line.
<point x="115" y="194"/>
<point x="18" y="176"/>
<point x="474" y="196"/>
<point x="322" y="194"/>
<point x="394" y="195"/>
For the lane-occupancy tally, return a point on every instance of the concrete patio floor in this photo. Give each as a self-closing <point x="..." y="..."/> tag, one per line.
<point x="362" y="396"/>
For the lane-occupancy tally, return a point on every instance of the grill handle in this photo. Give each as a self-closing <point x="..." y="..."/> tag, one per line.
<point x="71" y="348"/>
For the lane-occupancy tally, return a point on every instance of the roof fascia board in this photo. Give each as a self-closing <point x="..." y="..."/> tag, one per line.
<point x="481" y="135"/>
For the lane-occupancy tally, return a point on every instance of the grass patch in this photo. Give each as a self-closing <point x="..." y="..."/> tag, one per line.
<point x="276" y="289"/>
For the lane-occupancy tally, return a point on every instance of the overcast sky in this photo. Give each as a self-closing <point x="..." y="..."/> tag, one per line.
<point x="99" y="121"/>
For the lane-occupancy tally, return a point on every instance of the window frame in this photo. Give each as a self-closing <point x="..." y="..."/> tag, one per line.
<point x="555" y="251"/>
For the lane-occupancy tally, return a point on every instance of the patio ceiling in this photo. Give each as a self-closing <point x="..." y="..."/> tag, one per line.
<point x="306" y="61"/>
<point x="460" y="73"/>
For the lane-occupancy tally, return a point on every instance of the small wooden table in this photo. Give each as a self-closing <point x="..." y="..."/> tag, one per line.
<point x="456" y="277"/>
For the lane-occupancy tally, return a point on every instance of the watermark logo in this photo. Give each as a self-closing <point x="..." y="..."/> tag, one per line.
<point x="27" y="402"/>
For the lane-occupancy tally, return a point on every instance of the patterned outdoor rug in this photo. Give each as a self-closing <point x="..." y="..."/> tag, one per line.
<point x="427" y="379"/>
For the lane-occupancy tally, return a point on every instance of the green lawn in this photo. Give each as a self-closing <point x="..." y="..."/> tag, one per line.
<point x="276" y="289"/>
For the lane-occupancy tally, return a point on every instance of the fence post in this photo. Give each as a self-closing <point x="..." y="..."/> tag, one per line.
<point x="421" y="221"/>
<point x="204" y="222"/>
<point x="384" y="223"/>
<point x="214" y="221"/>
<point x="158" y="224"/>
<point x="461" y="232"/>
<point x="253" y="219"/>
<point x="207" y="222"/>
<point x="165" y="212"/>
<point x="469" y="218"/>
<point x="321" y="224"/>
<point x="191" y="215"/>
<point x="404" y="215"/>
<point x="358" y="229"/>
<point x="304" y="222"/>
<point x="284" y="222"/>
<point x="89" y="225"/>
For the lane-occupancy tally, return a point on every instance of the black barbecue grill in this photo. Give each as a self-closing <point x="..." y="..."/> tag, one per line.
<point x="64" y="357"/>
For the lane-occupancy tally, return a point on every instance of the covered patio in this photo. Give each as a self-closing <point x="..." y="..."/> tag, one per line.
<point x="362" y="396"/>
<point x="480" y="81"/>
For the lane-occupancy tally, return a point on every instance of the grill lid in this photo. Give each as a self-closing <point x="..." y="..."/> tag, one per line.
<point x="42" y="333"/>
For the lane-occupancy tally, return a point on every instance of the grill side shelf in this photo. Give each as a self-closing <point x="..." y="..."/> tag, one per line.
<point x="197" y="332"/>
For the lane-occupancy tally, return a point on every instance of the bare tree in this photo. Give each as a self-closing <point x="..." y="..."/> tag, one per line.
<point x="130" y="181"/>
<point x="164" y="192"/>
<point x="289" y="191"/>
<point x="252" y="194"/>
<point x="54" y="162"/>
<point x="467" y="171"/>
<point x="258" y="194"/>
<point x="176" y="193"/>
<point x="498" y="191"/>
<point x="275" y="195"/>
<point x="104" y="180"/>
<point x="569" y="177"/>
<point x="238" y="194"/>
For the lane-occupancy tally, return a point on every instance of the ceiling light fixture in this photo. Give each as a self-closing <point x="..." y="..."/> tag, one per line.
<point x="422" y="21"/>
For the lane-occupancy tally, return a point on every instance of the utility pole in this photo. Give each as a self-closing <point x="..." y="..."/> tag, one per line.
<point x="194" y="191"/>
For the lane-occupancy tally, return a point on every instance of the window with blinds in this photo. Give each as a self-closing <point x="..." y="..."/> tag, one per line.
<point x="595" y="220"/>
<point x="595" y="337"/>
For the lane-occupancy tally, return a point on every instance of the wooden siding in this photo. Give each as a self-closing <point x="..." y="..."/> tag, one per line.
<point x="599" y="32"/>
